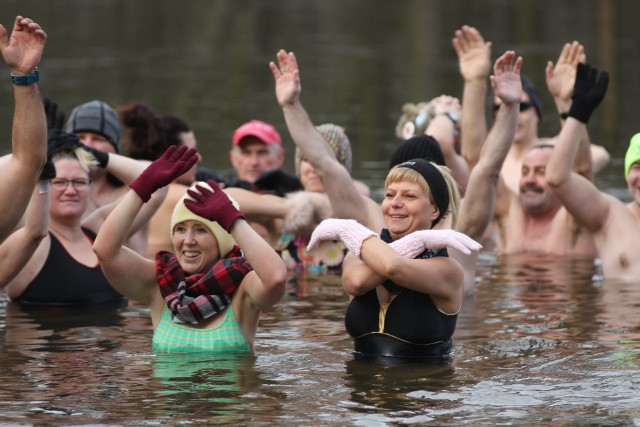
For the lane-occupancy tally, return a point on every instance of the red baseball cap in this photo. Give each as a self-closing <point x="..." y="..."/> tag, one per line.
<point x="261" y="130"/>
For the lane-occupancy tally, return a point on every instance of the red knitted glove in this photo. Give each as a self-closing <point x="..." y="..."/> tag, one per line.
<point x="415" y="243"/>
<point x="349" y="231"/>
<point x="213" y="205"/>
<point x="173" y="163"/>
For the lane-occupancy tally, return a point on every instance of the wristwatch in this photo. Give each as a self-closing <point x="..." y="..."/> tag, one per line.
<point x="453" y="116"/>
<point x="26" y="79"/>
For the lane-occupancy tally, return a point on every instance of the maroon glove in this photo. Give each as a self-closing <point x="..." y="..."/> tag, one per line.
<point x="173" y="163"/>
<point x="213" y="205"/>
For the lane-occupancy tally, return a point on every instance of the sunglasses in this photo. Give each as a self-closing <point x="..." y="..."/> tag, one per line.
<point x="524" y="106"/>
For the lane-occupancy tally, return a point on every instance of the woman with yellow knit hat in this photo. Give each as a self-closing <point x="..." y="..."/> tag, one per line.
<point x="208" y="294"/>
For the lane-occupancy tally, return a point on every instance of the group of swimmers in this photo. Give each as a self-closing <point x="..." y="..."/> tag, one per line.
<point x="207" y="256"/>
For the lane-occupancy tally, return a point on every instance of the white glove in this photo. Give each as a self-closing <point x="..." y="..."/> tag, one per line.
<point x="417" y="242"/>
<point x="349" y="231"/>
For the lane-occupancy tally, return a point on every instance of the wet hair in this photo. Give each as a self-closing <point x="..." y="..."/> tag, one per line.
<point x="400" y="174"/>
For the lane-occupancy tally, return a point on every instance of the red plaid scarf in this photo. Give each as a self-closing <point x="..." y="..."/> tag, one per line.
<point x="197" y="297"/>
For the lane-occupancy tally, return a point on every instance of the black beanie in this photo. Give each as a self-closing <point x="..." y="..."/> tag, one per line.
<point x="418" y="147"/>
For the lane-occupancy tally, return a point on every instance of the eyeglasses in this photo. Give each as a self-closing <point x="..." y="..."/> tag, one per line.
<point x="524" y="106"/>
<point x="62" y="183"/>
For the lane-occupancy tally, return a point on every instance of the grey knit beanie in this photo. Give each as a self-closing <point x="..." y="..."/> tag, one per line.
<point x="96" y="117"/>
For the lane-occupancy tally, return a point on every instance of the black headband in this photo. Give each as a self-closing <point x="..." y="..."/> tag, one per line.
<point x="436" y="182"/>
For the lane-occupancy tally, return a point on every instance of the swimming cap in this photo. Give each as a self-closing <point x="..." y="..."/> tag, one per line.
<point x="633" y="154"/>
<point x="96" y="117"/>
<point x="181" y="213"/>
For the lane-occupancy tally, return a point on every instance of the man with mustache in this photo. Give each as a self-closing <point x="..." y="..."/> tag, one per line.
<point x="534" y="219"/>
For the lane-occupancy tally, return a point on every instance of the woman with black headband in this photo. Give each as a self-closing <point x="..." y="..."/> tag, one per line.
<point x="406" y="290"/>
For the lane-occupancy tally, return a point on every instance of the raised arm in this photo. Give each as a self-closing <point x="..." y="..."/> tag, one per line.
<point x="128" y="272"/>
<point x="345" y="198"/>
<point x="22" y="52"/>
<point x="478" y="204"/>
<point x="588" y="205"/>
<point x="442" y="127"/>
<point x="560" y="78"/>
<point x="474" y="59"/>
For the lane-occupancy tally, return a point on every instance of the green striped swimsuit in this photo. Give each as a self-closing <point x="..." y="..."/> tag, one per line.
<point x="177" y="337"/>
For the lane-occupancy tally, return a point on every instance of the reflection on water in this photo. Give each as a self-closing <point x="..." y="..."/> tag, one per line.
<point x="543" y="341"/>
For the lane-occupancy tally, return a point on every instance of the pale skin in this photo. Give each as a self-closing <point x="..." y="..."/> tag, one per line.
<point x="62" y="215"/>
<point x="22" y="51"/>
<point x="346" y="199"/>
<point x="477" y="206"/>
<point x="533" y="220"/>
<point x="614" y="224"/>
<point x="135" y="276"/>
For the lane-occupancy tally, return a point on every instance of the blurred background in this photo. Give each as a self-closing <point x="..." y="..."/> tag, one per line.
<point x="360" y="61"/>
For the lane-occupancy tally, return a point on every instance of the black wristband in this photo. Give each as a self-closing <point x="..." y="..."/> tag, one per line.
<point x="564" y="115"/>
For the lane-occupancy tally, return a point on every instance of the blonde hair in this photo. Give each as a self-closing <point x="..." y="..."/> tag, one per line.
<point x="399" y="174"/>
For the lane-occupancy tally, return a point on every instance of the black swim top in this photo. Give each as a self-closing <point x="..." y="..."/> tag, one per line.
<point x="64" y="281"/>
<point x="409" y="326"/>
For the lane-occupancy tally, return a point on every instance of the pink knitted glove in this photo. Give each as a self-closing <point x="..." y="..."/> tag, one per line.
<point x="175" y="161"/>
<point x="349" y="231"/>
<point x="417" y="242"/>
<point x="213" y="205"/>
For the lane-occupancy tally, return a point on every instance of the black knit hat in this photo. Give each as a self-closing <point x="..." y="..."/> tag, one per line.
<point x="96" y="117"/>
<point x="418" y="147"/>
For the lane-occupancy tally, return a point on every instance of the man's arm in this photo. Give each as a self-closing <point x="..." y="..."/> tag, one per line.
<point x="477" y="207"/>
<point x="22" y="53"/>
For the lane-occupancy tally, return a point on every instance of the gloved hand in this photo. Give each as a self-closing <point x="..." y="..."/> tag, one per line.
<point x="213" y="205"/>
<point x="55" y="117"/>
<point x="415" y="243"/>
<point x="352" y="234"/>
<point x="101" y="156"/>
<point x="174" y="162"/>
<point x="588" y="92"/>
<point x="48" y="172"/>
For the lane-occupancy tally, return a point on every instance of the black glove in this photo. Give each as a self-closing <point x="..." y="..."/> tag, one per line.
<point x="48" y="172"/>
<point x="101" y="156"/>
<point x="278" y="182"/>
<point x="62" y="142"/>
<point x="588" y="92"/>
<point x="55" y="117"/>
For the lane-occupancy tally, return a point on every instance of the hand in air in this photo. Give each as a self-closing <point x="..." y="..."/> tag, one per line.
<point x="174" y="162"/>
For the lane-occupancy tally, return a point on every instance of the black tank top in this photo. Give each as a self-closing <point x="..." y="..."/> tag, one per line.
<point x="413" y="325"/>
<point x="64" y="281"/>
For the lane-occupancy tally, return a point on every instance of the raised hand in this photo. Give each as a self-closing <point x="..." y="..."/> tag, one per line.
<point x="210" y="202"/>
<point x="349" y="231"/>
<point x="417" y="242"/>
<point x="55" y="117"/>
<point x="174" y="162"/>
<point x="589" y="90"/>
<point x="505" y="81"/>
<point x="474" y="54"/>
<point x="22" y="51"/>
<point x="287" y="78"/>
<point x="561" y="77"/>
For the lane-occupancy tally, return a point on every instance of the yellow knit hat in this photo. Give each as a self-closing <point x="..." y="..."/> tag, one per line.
<point x="633" y="154"/>
<point x="181" y="213"/>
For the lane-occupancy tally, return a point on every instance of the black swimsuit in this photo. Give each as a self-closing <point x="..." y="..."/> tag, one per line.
<point x="64" y="281"/>
<point x="411" y="327"/>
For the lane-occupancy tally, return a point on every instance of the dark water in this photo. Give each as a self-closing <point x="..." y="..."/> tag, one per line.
<point x="542" y="342"/>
